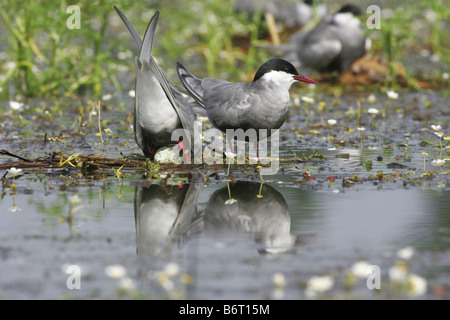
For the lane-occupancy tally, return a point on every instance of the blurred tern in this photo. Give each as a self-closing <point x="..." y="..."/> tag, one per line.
<point x="160" y="106"/>
<point x="290" y="13"/>
<point x="334" y="44"/>
<point x="260" y="104"/>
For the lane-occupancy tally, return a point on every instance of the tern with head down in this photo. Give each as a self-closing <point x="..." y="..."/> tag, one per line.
<point x="160" y="106"/>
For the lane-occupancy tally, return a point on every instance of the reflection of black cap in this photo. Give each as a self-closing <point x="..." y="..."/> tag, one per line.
<point x="351" y="8"/>
<point x="309" y="2"/>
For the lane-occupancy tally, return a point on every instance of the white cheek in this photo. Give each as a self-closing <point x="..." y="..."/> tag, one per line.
<point x="279" y="78"/>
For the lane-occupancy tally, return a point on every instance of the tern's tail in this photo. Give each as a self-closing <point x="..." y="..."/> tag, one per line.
<point x="149" y="36"/>
<point x="192" y="84"/>
<point x="129" y="27"/>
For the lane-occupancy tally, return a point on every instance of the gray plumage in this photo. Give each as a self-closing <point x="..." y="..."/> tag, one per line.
<point x="333" y="45"/>
<point x="260" y="104"/>
<point x="160" y="106"/>
<point x="289" y="13"/>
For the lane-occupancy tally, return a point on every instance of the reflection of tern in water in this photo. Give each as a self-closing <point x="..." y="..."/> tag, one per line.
<point x="167" y="216"/>
<point x="164" y="215"/>
<point x="266" y="216"/>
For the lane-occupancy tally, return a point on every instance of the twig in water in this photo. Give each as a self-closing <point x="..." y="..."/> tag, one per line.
<point x="7" y="153"/>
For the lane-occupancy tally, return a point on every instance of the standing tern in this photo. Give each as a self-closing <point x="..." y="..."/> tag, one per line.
<point x="290" y="13"/>
<point x="160" y="106"/>
<point x="260" y="104"/>
<point x="334" y="44"/>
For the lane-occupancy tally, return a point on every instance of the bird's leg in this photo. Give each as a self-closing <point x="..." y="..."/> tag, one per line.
<point x="231" y="146"/>
<point x="250" y="158"/>
<point x="180" y="144"/>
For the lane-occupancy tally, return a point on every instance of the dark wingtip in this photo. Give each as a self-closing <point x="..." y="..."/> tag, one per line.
<point x="180" y="66"/>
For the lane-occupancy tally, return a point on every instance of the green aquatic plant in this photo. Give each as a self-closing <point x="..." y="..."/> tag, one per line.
<point x="118" y="173"/>
<point x="395" y="32"/>
<point x="424" y="160"/>
<point x="361" y="130"/>
<point x="76" y="157"/>
<point x="49" y="54"/>
<point x="151" y="169"/>
<point x="14" y="172"/>
<point x="437" y="14"/>
<point x="368" y="165"/>
<point x="439" y="135"/>
<point x="217" y="34"/>
<point x="313" y="155"/>
<point x="230" y="199"/>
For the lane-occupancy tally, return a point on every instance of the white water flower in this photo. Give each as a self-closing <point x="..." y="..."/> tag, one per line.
<point x="307" y="99"/>
<point x="439" y="134"/>
<point x="320" y="283"/>
<point x="361" y="129"/>
<point x="115" y="271"/>
<point x="127" y="284"/>
<point x="371" y="98"/>
<point x="392" y="94"/>
<point x="436" y="127"/>
<point x="438" y="162"/>
<point x="15" y="105"/>
<point x="331" y="122"/>
<point x="14" y="208"/>
<point x="75" y="199"/>
<point x="14" y="171"/>
<point x="132" y="93"/>
<point x="405" y="253"/>
<point x="230" y="201"/>
<point x="361" y="269"/>
<point x="171" y="270"/>
<point x="417" y="285"/>
<point x="317" y="285"/>
<point x="372" y="111"/>
<point x="107" y="97"/>
<point x="279" y="280"/>
<point x="230" y="155"/>
<point x="398" y="273"/>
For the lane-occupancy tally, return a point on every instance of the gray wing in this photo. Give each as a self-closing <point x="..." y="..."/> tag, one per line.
<point x="149" y="79"/>
<point x="230" y="105"/>
<point x="191" y="83"/>
<point x="177" y="100"/>
<point x="317" y="48"/>
<point x="138" y="40"/>
<point x="130" y="28"/>
<point x="154" y="115"/>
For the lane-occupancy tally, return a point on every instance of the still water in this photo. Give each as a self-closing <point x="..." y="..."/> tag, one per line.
<point x="140" y="240"/>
